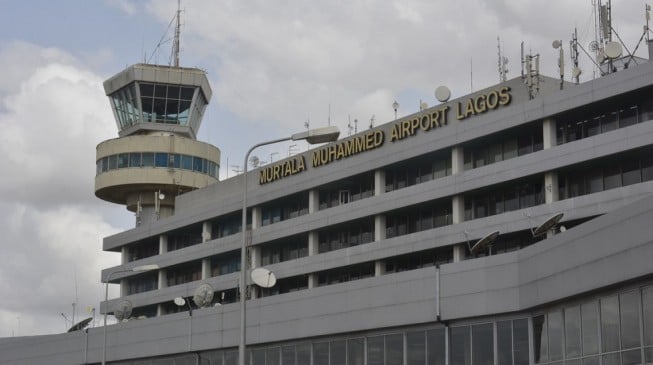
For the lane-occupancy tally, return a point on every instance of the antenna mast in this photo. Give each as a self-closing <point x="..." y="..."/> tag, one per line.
<point x="175" y="45"/>
<point x="502" y="62"/>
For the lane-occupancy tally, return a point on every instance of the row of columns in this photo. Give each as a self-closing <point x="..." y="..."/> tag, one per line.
<point x="458" y="216"/>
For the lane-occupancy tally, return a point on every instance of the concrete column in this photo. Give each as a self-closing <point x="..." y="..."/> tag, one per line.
<point x="159" y="310"/>
<point x="313" y="243"/>
<point x="255" y="252"/>
<point x="549" y="133"/>
<point x="313" y="201"/>
<point x="379" y="227"/>
<point x="163" y="244"/>
<point x="379" y="181"/>
<point x="124" y="255"/>
<point x="206" y="268"/>
<point x="123" y="287"/>
<point x="457" y="160"/>
<point x="551" y="193"/>
<point x="379" y="268"/>
<point x="312" y="280"/>
<point x="163" y="279"/>
<point x="256" y="217"/>
<point x="457" y="209"/>
<point x="206" y="231"/>
<point x="459" y="252"/>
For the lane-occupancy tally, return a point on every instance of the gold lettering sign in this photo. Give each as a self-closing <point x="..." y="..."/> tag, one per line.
<point x="282" y="169"/>
<point x="350" y="147"/>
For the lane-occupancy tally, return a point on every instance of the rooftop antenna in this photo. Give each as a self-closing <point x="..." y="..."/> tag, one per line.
<point x="532" y="73"/>
<point x="557" y="44"/>
<point x="175" y="44"/>
<point x="482" y="243"/>
<point x="355" y="125"/>
<point x="329" y="119"/>
<point x="576" y="71"/>
<point x="307" y="124"/>
<point x="501" y="63"/>
<point x="349" y="126"/>
<point x="522" y="60"/>
<point x="647" y="30"/>
<point x="372" y="122"/>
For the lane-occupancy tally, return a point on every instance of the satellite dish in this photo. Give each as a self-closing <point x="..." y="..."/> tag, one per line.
<point x="442" y="93"/>
<point x="594" y="46"/>
<point x="563" y="228"/>
<point x="162" y="196"/>
<point x="484" y="242"/>
<point x="179" y="301"/>
<point x="600" y="57"/>
<point x="423" y="105"/>
<point x="263" y="277"/>
<point x="546" y="226"/>
<point x="80" y="325"/>
<point x="576" y="71"/>
<point x="203" y="295"/>
<point x="613" y="50"/>
<point x="556" y="44"/>
<point x="254" y="161"/>
<point x="123" y="310"/>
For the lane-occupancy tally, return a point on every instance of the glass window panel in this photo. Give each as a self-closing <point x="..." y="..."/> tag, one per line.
<point x="572" y="332"/>
<point x="593" y="127"/>
<point x="135" y="159"/>
<point x="288" y="355"/>
<point x="231" y="358"/>
<point x="159" y="91"/>
<point x="510" y="199"/>
<point x="631" y="357"/>
<point x="647" y="305"/>
<point x="258" y="357"/>
<point x="113" y="162"/>
<point x="520" y="341"/>
<point x="510" y="148"/>
<point x="629" y="314"/>
<point x="159" y="110"/>
<point x="611" y="177"/>
<point x="541" y="348"/>
<point x="573" y="362"/>
<point x="611" y="359"/>
<point x="483" y="344"/>
<point x="648" y="354"/>
<point x="590" y="328"/>
<point x="355" y="351"/>
<point x="186" y="93"/>
<point x="186" y="162"/>
<point x="272" y="356"/>
<point x="123" y="160"/>
<point x="647" y="167"/>
<point x="524" y="144"/>
<point x="197" y="164"/>
<point x="460" y="351"/>
<point x="555" y="335"/>
<point x="627" y="116"/>
<point x="435" y="350"/>
<point x="105" y="164"/>
<point x="148" y="159"/>
<point x="594" y="182"/>
<point x="630" y="173"/>
<point x="146" y="89"/>
<point x="161" y="159"/>
<point x="610" y="323"/>
<point x="394" y="349"/>
<point x="303" y="353"/>
<point x="504" y="343"/>
<point x="609" y="122"/>
<point x="592" y="360"/>
<point x="375" y="350"/>
<point x="416" y="347"/>
<point x="338" y="352"/>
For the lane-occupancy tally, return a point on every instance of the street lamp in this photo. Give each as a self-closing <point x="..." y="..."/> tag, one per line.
<point x="395" y="106"/>
<point x="312" y="136"/>
<point x="106" y="298"/>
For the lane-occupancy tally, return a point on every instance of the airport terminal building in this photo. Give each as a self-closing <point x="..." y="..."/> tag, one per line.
<point x="371" y="238"/>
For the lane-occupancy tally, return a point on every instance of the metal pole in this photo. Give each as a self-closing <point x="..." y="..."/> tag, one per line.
<point x="242" y="286"/>
<point x="104" y="329"/>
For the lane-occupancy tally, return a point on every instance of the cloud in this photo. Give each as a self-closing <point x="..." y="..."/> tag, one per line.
<point x="53" y="112"/>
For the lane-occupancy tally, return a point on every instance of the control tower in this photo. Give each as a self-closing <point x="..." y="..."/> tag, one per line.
<point x="158" y="110"/>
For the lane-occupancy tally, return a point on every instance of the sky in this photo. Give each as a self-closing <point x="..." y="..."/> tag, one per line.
<point x="274" y="66"/>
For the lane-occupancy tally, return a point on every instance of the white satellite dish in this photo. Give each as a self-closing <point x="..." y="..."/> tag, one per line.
<point x="123" y="310"/>
<point x="556" y="44"/>
<point x="203" y="295"/>
<point x="576" y="71"/>
<point x="179" y="301"/>
<point x="546" y="226"/>
<point x="442" y="93"/>
<point x="263" y="277"/>
<point x="600" y="57"/>
<point x="162" y="196"/>
<point x="484" y="242"/>
<point x="423" y="105"/>
<point x="613" y="50"/>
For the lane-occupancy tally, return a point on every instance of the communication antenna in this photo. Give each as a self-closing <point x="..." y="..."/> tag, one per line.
<point x="648" y="17"/>
<point x="501" y="63"/>
<point x="81" y="325"/>
<point x="545" y="227"/>
<point x="442" y="93"/>
<point x="372" y="121"/>
<point x="557" y="44"/>
<point x="355" y="125"/>
<point x="423" y="105"/>
<point x="254" y="161"/>
<point x="175" y="44"/>
<point x="576" y="71"/>
<point x="482" y="243"/>
<point x="349" y="126"/>
<point x="263" y="277"/>
<point x="237" y="169"/>
<point x="203" y="295"/>
<point x="532" y="73"/>
<point x="123" y="311"/>
<point x="307" y="124"/>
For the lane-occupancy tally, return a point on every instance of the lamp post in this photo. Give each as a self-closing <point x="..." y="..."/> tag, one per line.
<point x="395" y="106"/>
<point x="312" y="136"/>
<point x="106" y="298"/>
